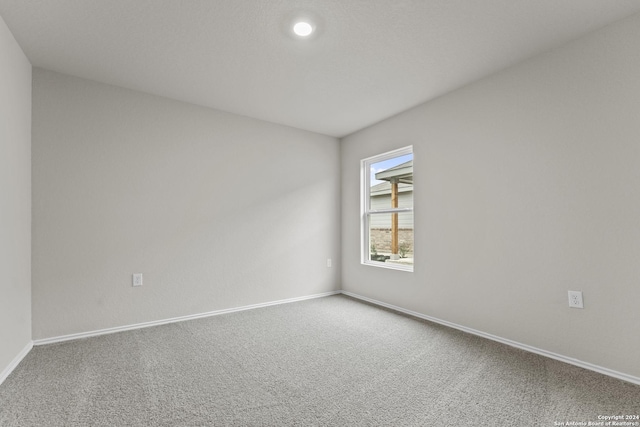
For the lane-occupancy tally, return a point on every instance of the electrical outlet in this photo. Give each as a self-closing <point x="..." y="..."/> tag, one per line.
<point x="575" y="299"/>
<point x="329" y="262"/>
<point x="137" y="279"/>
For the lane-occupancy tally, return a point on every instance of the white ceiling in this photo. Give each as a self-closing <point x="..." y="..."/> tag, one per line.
<point x="369" y="59"/>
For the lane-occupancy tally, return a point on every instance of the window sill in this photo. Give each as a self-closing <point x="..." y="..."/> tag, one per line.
<point x="390" y="265"/>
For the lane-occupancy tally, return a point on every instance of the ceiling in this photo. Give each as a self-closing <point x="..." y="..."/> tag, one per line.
<point x="368" y="59"/>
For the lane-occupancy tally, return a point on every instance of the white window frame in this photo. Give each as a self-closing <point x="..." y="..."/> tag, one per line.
<point x="365" y="211"/>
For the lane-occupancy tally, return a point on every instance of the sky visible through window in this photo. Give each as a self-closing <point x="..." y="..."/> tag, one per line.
<point x="386" y="164"/>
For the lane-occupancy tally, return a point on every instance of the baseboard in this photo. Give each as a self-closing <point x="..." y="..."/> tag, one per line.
<point x="174" y="319"/>
<point x="549" y="354"/>
<point x="16" y="361"/>
<point x="525" y="347"/>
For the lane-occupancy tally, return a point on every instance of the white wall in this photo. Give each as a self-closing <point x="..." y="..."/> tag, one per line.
<point x="15" y="200"/>
<point x="527" y="184"/>
<point x="216" y="210"/>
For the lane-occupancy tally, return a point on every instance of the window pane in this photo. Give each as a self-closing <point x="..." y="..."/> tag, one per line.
<point x="389" y="243"/>
<point x="391" y="183"/>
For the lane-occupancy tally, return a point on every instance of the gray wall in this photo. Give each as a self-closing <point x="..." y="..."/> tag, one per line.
<point x="216" y="210"/>
<point x="15" y="199"/>
<point x="526" y="186"/>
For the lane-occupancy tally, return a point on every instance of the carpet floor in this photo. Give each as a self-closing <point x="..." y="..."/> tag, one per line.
<point x="330" y="361"/>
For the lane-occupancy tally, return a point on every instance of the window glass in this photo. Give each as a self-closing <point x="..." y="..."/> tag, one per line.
<point x="387" y="217"/>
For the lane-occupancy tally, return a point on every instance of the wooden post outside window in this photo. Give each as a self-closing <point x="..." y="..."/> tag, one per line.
<point x="394" y="220"/>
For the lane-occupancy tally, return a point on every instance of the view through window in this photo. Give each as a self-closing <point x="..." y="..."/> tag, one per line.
<point x="387" y="210"/>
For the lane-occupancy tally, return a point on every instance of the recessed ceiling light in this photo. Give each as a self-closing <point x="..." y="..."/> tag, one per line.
<point x="302" y="28"/>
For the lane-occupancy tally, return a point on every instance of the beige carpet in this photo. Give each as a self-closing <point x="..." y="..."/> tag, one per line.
<point x="331" y="361"/>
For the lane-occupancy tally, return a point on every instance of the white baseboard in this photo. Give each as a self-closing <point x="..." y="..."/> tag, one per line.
<point x="174" y="319"/>
<point x="16" y="361"/>
<point x="549" y="354"/>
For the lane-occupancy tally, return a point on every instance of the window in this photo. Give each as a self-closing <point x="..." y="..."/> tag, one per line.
<point x="387" y="210"/>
